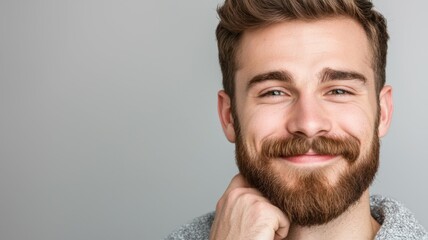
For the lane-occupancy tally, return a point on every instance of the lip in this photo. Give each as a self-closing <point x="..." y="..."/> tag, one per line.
<point x="310" y="158"/>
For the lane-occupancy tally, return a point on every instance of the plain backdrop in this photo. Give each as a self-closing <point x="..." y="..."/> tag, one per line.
<point x="108" y="120"/>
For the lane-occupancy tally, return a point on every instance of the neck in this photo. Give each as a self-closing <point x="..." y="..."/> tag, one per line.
<point x="355" y="223"/>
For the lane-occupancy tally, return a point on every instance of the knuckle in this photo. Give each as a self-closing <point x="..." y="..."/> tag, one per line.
<point x="260" y="206"/>
<point x="238" y="180"/>
<point x="237" y="177"/>
<point x="262" y="211"/>
<point x="248" y="197"/>
<point x="240" y="196"/>
<point x="235" y="193"/>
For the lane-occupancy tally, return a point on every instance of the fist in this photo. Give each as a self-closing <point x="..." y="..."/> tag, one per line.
<point x="243" y="213"/>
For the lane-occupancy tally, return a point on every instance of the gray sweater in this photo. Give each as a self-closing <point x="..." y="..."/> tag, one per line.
<point x="396" y="220"/>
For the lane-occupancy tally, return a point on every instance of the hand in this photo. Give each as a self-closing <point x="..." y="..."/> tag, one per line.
<point x="243" y="213"/>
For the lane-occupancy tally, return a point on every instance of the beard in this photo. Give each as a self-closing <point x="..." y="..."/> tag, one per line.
<point x="307" y="196"/>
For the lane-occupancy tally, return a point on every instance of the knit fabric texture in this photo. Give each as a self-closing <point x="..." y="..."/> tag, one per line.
<point x="397" y="222"/>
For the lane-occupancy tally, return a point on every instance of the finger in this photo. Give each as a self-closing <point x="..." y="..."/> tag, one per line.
<point x="238" y="186"/>
<point x="238" y="181"/>
<point x="283" y="225"/>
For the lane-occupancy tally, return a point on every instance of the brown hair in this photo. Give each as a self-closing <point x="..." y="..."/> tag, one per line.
<point x="236" y="16"/>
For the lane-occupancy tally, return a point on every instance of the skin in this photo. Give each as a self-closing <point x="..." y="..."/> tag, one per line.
<point x="303" y="105"/>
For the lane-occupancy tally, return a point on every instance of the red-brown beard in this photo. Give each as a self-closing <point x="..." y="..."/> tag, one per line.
<point x="312" y="199"/>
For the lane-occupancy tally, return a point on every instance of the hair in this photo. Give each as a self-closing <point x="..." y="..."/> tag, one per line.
<point x="236" y="16"/>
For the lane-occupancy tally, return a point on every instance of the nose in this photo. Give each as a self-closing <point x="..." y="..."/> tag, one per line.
<point x="307" y="117"/>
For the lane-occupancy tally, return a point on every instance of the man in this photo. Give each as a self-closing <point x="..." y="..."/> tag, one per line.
<point x="305" y="102"/>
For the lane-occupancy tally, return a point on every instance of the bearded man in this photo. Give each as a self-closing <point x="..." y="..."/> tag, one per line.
<point x="305" y="102"/>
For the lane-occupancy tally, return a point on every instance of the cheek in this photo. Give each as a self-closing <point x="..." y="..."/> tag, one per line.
<point x="357" y="121"/>
<point x="260" y="123"/>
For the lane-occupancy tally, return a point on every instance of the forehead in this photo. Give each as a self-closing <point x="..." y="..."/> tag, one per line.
<point x="338" y="42"/>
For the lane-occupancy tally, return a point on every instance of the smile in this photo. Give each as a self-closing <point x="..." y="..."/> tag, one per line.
<point x="310" y="157"/>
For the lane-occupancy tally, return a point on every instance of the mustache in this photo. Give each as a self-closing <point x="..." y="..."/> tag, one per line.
<point x="347" y="147"/>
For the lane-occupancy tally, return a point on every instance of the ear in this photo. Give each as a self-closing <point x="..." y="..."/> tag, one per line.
<point x="225" y="115"/>
<point x="386" y="109"/>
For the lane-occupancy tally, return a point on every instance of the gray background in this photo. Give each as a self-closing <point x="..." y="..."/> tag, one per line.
<point x="108" y="121"/>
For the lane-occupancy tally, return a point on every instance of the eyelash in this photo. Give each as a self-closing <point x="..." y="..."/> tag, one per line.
<point x="344" y="92"/>
<point x="273" y="93"/>
<point x="277" y="93"/>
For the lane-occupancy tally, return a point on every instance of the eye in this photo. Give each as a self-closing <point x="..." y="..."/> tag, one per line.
<point x="273" y="93"/>
<point x="339" y="92"/>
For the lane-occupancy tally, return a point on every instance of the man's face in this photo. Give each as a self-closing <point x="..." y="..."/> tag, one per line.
<point x="307" y="119"/>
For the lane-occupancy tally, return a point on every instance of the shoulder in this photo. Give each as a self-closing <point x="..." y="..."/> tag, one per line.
<point x="198" y="228"/>
<point x="397" y="221"/>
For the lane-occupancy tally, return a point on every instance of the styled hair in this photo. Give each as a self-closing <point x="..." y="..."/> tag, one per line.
<point x="236" y="16"/>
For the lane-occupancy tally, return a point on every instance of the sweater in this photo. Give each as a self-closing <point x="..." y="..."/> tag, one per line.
<point x="397" y="222"/>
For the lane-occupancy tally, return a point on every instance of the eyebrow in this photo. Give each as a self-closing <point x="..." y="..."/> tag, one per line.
<point x="283" y="76"/>
<point x="329" y="74"/>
